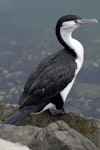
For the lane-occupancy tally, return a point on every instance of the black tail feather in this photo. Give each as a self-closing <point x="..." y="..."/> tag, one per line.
<point x="20" y="115"/>
<point x="16" y="118"/>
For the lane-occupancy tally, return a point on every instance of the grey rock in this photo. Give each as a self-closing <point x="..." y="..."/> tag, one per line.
<point x="60" y="136"/>
<point x="89" y="127"/>
<point x="56" y="136"/>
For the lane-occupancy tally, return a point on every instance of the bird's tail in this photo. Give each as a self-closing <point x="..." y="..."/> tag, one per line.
<point x="20" y="115"/>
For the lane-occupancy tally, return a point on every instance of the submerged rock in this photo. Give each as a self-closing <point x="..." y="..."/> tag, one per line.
<point x="91" y="91"/>
<point x="88" y="127"/>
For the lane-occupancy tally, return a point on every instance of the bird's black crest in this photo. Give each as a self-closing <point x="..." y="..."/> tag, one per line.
<point x="67" y="18"/>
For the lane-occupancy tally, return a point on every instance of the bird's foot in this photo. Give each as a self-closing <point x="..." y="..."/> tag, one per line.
<point x="55" y="111"/>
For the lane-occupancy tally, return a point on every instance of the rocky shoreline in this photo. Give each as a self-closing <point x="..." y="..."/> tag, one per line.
<point x="46" y="132"/>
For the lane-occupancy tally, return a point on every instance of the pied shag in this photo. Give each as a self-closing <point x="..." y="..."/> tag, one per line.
<point x="48" y="85"/>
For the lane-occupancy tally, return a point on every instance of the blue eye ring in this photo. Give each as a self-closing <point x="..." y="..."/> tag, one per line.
<point x="75" y="21"/>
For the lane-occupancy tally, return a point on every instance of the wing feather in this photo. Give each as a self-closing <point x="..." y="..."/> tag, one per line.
<point x="50" y="77"/>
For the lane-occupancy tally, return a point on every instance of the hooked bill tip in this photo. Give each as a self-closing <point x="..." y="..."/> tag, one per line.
<point x="95" y="20"/>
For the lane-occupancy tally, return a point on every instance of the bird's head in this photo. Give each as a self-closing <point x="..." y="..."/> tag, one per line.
<point x="68" y="23"/>
<point x="73" y="22"/>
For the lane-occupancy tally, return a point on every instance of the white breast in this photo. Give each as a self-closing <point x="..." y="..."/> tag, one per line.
<point x="78" y="48"/>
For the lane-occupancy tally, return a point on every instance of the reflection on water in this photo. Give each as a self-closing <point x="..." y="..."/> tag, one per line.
<point x="27" y="36"/>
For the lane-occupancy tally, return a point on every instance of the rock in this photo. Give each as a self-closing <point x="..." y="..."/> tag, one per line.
<point x="60" y="136"/>
<point x="56" y="136"/>
<point x="6" y="110"/>
<point x="95" y="64"/>
<point x="1" y="97"/>
<point x="5" y="145"/>
<point x="89" y="127"/>
<point x="97" y="41"/>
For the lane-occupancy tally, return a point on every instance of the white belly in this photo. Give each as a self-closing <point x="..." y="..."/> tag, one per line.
<point x="64" y="93"/>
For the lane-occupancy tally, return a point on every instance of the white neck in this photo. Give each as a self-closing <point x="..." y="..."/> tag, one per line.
<point x="66" y="35"/>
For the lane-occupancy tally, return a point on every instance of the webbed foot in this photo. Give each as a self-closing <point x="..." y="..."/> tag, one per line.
<point x="55" y="111"/>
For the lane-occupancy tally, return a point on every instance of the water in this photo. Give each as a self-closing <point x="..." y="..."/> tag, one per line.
<point x="27" y="35"/>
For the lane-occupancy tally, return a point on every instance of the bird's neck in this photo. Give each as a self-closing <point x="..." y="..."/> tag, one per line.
<point x="73" y="45"/>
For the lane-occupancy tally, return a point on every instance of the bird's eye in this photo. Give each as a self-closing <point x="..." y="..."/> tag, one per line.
<point x="77" y="20"/>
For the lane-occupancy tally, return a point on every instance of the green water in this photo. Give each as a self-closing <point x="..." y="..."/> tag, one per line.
<point x="27" y="35"/>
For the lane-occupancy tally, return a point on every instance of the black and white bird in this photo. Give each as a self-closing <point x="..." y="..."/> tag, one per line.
<point x="48" y="86"/>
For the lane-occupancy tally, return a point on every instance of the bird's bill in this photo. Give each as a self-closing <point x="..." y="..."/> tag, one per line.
<point x="86" y="21"/>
